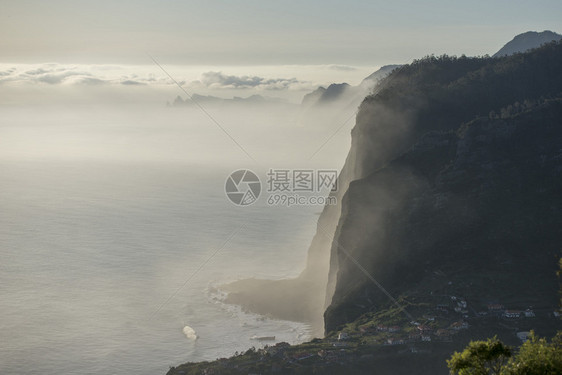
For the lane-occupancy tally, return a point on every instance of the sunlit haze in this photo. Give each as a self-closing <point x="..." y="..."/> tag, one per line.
<point x="182" y="181"/>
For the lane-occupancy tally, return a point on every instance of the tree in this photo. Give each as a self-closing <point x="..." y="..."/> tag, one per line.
<point x="538" y="357"/>
<point x="480" y="358"/>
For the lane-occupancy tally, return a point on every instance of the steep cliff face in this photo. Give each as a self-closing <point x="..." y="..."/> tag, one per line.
<point x="433" y="189"/>
<point x="452" y="188"/>
<point x="430" y="99"/>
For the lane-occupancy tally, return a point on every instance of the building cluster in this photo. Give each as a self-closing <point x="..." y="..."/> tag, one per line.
<point x="500" y="310"/>
<point x="440" y="325"/>
<point x="426" y="333"/>
<point x="457" y="304"/>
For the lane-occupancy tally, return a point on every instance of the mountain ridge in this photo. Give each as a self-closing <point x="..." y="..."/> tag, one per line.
<point x="452" y="189"/>
<point x="526" y="41"/>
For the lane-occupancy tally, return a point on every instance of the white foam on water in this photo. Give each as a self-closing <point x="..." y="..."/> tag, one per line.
<point x="190" y="333"/>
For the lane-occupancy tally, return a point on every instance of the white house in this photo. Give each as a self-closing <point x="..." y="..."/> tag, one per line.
<point x="512" y="314"/>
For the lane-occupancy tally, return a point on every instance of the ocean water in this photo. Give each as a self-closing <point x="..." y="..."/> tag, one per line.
<point x="109" y="250"/>
<point x="95" y="258"/>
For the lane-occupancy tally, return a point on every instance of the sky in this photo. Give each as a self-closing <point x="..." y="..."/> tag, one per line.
<point x="272" y="47"/>
<point x="261" y="32"/>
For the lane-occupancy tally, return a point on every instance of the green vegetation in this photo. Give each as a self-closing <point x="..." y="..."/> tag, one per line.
<point x="481" y="358"/>
<point x="536" y="356"/>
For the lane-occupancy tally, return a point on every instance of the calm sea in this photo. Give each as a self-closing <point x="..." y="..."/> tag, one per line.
<point x="104" y="260"/>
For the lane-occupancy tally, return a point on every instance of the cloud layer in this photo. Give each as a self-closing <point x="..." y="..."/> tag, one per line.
<point x="222" y="81"/>
<point x="56" y="74"/>
<point x="92" y="75"/>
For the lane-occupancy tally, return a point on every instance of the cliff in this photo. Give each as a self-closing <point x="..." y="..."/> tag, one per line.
<point x="434" y="94"/>
<point x="474" y="213"/>
<point x="409" y="213"/>
<point x="448" y="229"/>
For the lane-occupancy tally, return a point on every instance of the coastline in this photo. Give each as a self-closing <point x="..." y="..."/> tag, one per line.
<point x="293" y="300"/>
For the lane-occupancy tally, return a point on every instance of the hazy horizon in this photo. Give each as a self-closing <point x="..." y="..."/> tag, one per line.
<point x="248" y="32"/>
<point x="114" y="201"/>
